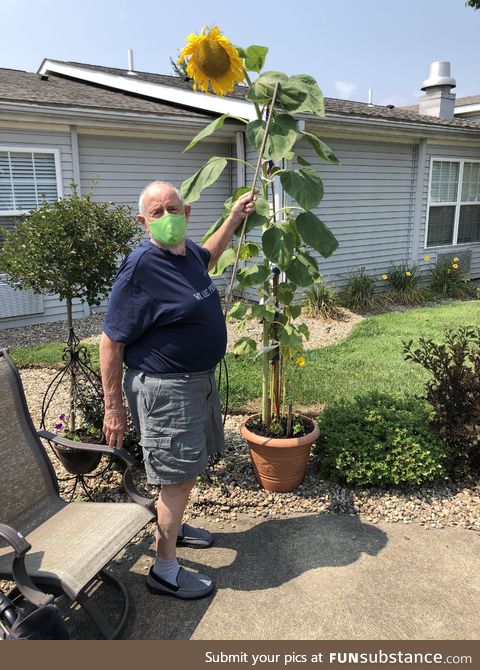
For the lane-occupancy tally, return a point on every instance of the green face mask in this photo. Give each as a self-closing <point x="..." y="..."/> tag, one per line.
<point x="169" y="229"/>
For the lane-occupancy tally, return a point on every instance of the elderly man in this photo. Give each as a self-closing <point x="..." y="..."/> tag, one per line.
<point x="165" y="322"/>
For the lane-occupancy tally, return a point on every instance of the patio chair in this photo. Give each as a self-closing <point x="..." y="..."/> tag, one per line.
<point x="54" y="549"/>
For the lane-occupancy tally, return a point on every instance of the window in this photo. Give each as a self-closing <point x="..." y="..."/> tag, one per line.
<point x="454" y="203"/>
<point x="26" y="177"/>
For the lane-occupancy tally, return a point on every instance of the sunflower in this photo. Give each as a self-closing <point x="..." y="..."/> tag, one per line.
<point x="212" y="60"/>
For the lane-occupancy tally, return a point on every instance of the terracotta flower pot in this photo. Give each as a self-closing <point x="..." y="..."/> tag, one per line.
<point x="279" y="463"/>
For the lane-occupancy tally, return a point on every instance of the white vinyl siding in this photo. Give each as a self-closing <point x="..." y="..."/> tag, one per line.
<point x="368" y="204"/>
<point x="454" y="202"/>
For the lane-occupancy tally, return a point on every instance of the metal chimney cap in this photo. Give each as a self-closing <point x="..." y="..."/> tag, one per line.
<point x="439" y="75"/>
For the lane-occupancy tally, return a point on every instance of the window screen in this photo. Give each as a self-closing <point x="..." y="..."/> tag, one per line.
<point x="25" y="178"/>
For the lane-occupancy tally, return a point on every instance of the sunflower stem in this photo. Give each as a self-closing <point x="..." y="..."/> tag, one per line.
<point x="254" y="182"/>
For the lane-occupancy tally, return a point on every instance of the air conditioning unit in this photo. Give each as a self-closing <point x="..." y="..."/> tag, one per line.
<point x="464" y="258"/>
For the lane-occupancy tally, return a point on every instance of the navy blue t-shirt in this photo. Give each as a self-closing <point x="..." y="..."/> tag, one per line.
<point x="167" y="311"/>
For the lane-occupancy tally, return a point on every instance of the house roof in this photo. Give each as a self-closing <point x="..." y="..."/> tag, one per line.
<point x="332" y="105"/>
<point x="459" y="102"/>
<point x="469" y="100"/>
<point x="151" y="92"/>
<point x="20" y="86"/>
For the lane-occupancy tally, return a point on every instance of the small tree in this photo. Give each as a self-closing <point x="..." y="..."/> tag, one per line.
<point x="69" y="247"/>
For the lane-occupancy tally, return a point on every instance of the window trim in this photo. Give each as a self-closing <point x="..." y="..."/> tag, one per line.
<point x="457" y="204"/>
<point x="36" y="150"/>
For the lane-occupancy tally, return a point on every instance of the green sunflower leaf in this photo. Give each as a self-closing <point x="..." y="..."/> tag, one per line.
<point x="252" y="275"/>
<point x="192" y="187"/>
<point x="214" y="228"/>
<point x="261" y="90"/>
<point x="244" y="345"/>
<point x="304" y="185"/>
<point x="210" y="129"/>
<point x="281" y="137"/>
<point x="316" y="234"/>
<point x="254" y="57"/>
<point x="278" y="245"/>
<point x="226" y="259"/>
<point x="314" y="99"/>
<point x="303" y="269"/>
<point x="320" y="147"/>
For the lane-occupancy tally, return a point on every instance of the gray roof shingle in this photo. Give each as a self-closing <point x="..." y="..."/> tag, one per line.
<point x="16" y="86"/>
<point x="19" y="86"/>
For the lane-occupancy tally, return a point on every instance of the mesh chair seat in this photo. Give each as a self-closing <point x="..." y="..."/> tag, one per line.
<point x="77" y="541"/>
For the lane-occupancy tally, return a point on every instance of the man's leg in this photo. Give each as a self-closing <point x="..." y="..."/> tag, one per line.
<point x="166" y="577"/>
<point x="171" y="505"/>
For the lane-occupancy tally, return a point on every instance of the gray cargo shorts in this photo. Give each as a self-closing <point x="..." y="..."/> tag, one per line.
<point x="179" y="420"/>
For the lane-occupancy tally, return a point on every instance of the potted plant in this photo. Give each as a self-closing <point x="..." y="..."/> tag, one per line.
<point x="279" y="262"/>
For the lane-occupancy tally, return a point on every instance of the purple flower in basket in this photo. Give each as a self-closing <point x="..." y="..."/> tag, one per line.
<point x="58" y="426"/>
<point x="62" y="417"/>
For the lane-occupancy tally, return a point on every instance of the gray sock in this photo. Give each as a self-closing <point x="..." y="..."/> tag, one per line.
<point x="166" y="569"/>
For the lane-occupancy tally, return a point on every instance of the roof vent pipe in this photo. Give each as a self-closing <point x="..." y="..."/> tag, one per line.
<point x="438" y="100"/>
<point x="370" y="94"/>
<point x="130" y="63"/>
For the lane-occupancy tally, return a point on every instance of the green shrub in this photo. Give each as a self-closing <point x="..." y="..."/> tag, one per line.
<point x="360" y="292"/>
<point x="379" y="439"/>
<point x="454" y="393"/>
<point x="403" y="282"/>
<point x="449" y="280"/>
<point x="321" y="301"/>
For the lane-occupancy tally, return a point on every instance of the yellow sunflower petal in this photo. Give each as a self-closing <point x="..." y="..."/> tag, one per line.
<point x="213" y="61"/>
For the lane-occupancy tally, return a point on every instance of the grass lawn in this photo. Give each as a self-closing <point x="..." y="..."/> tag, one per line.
<point x="370" y="358"/>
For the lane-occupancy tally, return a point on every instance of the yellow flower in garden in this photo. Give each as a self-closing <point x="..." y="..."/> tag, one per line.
<point x="212" y="60"/>
<point x="455" y="266"/>
<point x="448" y="270"/>
<point x="455" y="260"/>
<point x="408" y="274"/>
<point x="384" y="276"/>
<point x="300" y="361"/>
<point x="426" y="258"/>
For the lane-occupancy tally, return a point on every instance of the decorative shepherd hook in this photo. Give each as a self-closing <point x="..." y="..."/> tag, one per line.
<point x="257" y="172"/>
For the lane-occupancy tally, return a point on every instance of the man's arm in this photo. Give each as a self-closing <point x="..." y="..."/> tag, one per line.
<point x="111" y="367"/>
<point x="218" y="242"/>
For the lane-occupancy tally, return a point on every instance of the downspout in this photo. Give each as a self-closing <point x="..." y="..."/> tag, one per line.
<point x="418" y="203"/>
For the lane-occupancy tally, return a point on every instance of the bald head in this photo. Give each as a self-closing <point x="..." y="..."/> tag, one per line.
<point x="154" y="188"/>
<point x="157" y="199"/>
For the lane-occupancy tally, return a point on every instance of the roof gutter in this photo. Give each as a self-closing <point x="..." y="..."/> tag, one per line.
<point x="83" y="117"/>
<point x="370" y="125"/>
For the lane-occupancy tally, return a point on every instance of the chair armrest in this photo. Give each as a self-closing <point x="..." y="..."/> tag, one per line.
<point x="122" y="454"/>
<point x="24" y="584"/>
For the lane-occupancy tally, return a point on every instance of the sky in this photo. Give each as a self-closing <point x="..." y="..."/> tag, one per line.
<point x="349" y="46"/>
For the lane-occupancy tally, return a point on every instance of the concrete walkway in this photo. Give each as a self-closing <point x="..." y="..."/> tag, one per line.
<point x="323" y="577"/>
